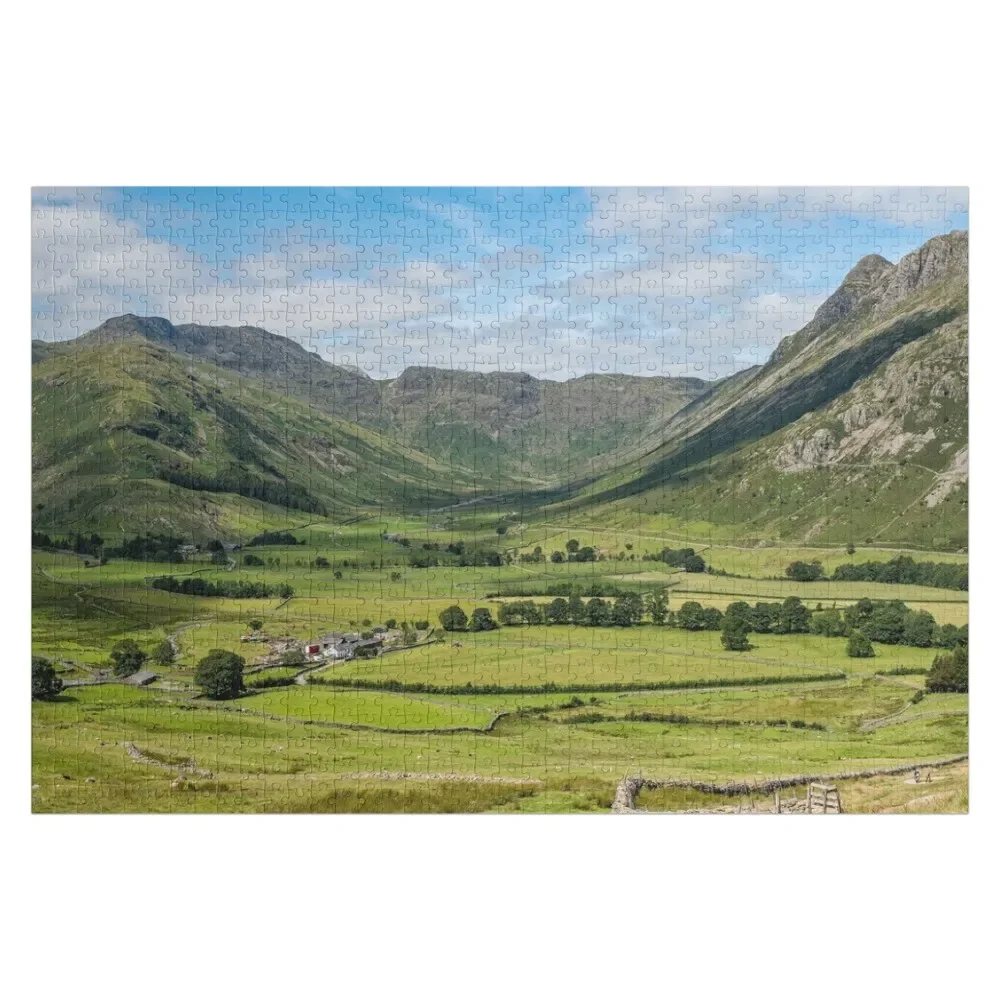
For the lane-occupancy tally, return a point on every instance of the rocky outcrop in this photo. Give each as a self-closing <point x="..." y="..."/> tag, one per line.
<point x="938" y="257"/>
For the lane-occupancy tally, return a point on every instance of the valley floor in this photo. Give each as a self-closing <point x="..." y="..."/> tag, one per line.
<point x="545" y="718"/>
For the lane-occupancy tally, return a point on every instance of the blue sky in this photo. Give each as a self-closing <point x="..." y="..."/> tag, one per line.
<point x="557" y="282"/>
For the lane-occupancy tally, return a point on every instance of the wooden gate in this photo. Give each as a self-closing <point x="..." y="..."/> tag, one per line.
<point x="822" y="799"/>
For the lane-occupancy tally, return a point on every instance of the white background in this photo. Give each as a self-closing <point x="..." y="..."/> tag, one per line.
<point x="534" y="93"/>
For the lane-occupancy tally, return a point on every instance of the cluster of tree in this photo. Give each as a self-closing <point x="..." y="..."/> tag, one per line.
<point x="276" y="538"/>
<point x="627" y="609"/>
<point x="281" y="493"/>
<point x="45" y="683"/>
<point x="535" y="556"/>
<point x="567" y="589"/>
<point x="454" y="619"/>
<point x="950" y="671"/>
<point x="575" y="552"/>
<point x="904" y="569"/>
<point x="84" y="545"/>
<point x="774" y="617"/>
<point x="196" y="586"/>
<point x="805" y="572"/>
<point x="454" y="554"/>
<point x="686" y="559"/>
<point x="893" y="623"/>
<point x="220" y="674"/>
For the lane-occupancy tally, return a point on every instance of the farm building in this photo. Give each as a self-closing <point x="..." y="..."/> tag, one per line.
<point x="335" y="646"/>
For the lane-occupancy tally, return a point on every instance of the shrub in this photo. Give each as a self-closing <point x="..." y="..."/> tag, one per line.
<point x="251" y="560"/>
<point x="734" y="634"/>
<point x="422" y="625"/>
<point x="220" y="674"/>
<point x="255" y="624"/>
<point x="44" y="682"/>
<point x="127" y="657"/>
<point x="859" y="645"/>
<point x="390" y="623"/>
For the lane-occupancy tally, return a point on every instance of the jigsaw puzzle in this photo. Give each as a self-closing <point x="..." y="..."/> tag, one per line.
<point x="500" y="500"/>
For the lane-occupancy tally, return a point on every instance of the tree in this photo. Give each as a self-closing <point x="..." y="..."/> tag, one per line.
<point x="598" y="612"/>
<point x="851" y="549"/>
<point x="950" y="671"/>
<point x="422" y="625"/>
<point x="216" y="546"/>
<point x="858" y="644"/>
<point x="255" y="624"/>
<point x="734" y="633"/>
<point x="127" y="657"/>
<point x="557" y="557"/>
<point x="557" y="612"/>
<point x="918" y="628"/>
<point x="163" y="655"/>
<point x="656" y="608"/>
<point x="390" y="623"/>
<point x="711" y="619"/>
<point x="577" y="610"/>
<point x="793" y="616"/>
<point x="572" y="546"/>
<point x="694" y="564"/>
<point x="741" y="611"/>
<point x="251" y="560"/>
<point x="482" y="620"/>
<point x="321" y="562"/>
<point x="627" y="610"/>
<point x="292" y="658"/>
<point x="220" y="674"/>
<point x="45" y="684"/>
<point x="501" y="529"/>
<point x="690" y="616"/>
<point x="453" y="619"/>
<point x="826" y="623"/>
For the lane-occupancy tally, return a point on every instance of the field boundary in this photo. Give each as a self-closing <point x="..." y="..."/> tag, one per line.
<point x="361" y="727"/>
<point x="418" y="687"/>
<point x="630" y="786"/>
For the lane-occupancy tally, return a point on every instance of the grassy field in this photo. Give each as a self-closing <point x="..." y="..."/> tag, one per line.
<point x="580" y="706"/>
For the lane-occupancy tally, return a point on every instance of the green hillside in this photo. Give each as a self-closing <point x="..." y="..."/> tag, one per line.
<point x="130" y="436"/>
<point x="508" y="427"/>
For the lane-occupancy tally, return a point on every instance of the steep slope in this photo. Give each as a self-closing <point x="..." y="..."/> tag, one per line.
<point x="855" y="428"/>
<point x="129" y="436"/>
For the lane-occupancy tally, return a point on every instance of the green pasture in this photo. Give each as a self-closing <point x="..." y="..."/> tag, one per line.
<point x="261" y="764"/>
<point x="378" y="709"/>
<point x="565" y="656"/>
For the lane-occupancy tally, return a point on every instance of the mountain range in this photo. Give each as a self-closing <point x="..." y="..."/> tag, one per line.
<point x="856" y="428"/>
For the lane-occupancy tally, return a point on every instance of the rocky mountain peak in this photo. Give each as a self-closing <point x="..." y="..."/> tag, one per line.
<point x="938" y="257"/>
<point x="856" y="286"/>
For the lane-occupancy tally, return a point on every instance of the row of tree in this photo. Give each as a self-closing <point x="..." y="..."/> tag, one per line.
<point x="454" y="619"/>
<point x="196" y="586"/>
<point x="904" y="569"/>
<point x="901" y="570"/>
